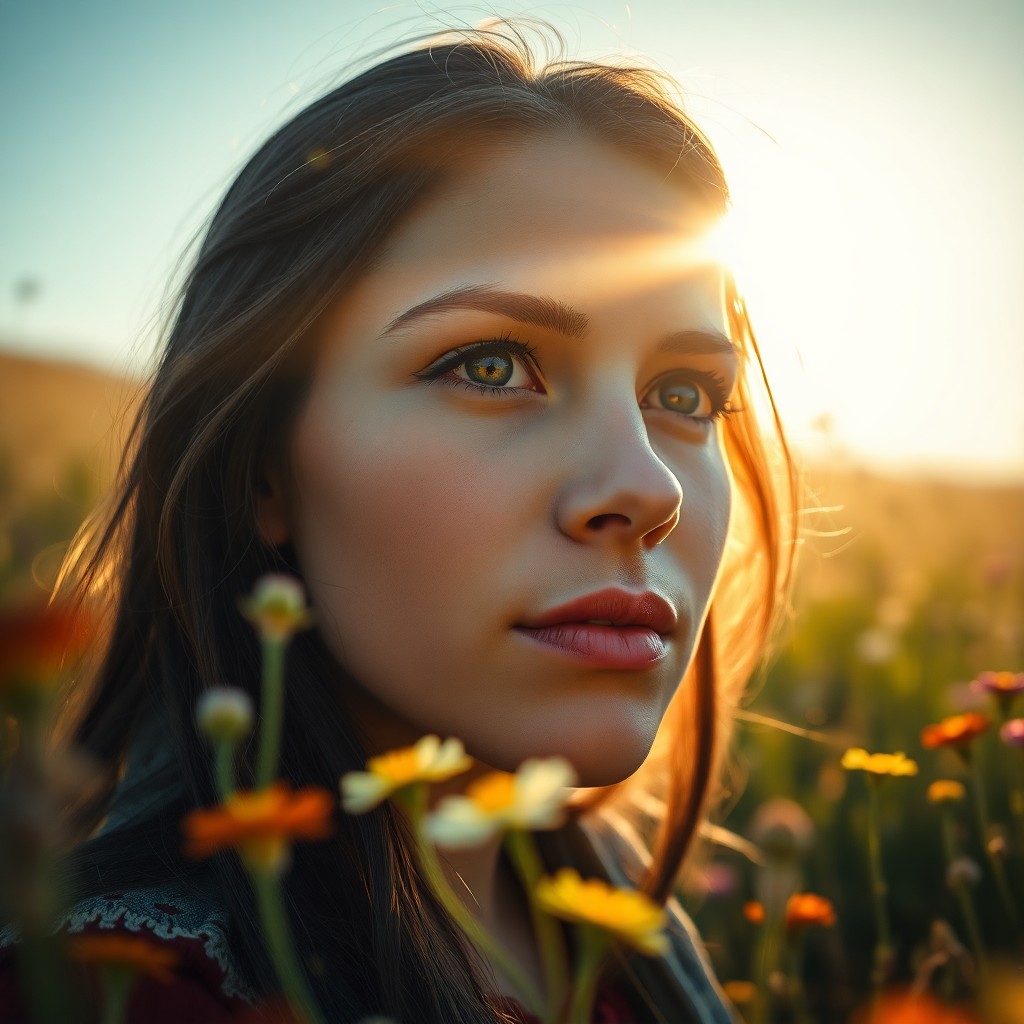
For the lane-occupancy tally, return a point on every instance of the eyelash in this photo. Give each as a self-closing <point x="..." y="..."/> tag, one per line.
<point x="713" y="383"/>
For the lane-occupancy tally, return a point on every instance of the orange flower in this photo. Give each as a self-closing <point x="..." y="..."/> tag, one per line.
<point x="128" y="952"/>
<point x="260" y="824"/>
<point x="912" y="1008"/>
<point x="35" y="641"/>
<point x="805" y="908"/>
<point x="955" y="731"/>
<point x="754" y="912"/>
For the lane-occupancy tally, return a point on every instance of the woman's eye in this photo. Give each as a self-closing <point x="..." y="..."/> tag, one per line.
<point x="494" y="369"/>
<point x="493" y="366"/>
<point x="700" y="396"/>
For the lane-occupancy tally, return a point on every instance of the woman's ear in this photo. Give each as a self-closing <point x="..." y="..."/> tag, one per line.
<point x="271" y="509"/>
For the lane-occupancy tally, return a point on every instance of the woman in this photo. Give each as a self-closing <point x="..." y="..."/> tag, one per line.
<point x="457" y="352"/>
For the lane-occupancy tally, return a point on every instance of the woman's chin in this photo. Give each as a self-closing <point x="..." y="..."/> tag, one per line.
<point x="598" y="758"/>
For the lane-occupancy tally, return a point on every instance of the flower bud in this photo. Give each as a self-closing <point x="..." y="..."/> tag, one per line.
<point x="998" y="844"/>
<point x="963" y="873"/>
<point x="277" y="607"/>
<point x="946" y="791"/>
<point x="224" y="713"/>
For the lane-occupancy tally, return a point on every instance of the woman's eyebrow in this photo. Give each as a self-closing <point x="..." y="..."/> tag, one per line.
<point x="527" y="309"/>
<point x="549" y="313"/>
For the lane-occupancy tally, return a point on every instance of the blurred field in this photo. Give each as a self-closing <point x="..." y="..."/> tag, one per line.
<point x="908" y="588"/>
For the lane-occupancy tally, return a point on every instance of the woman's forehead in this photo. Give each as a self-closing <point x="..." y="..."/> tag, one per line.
<point x="564" y="194"/>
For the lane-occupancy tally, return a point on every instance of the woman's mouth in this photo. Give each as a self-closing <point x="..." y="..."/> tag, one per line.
<point x="608" y="629"/>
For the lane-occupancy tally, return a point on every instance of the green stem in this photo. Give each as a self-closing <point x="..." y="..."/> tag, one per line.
<point x="966" y="904"/>
<point x="414" y="799"/>
<point x="224" y="765"/>
<point x="592" y="948"/>
<point x="274" y="919"/>
<point x="272" y="709"/>
<point x="998" y="869"/>
<point x="796" y="981"/>
<point x="766" y="956"/>
<point x="44" y="980"/>
<point x="117" y="987"/>
<point x="550" y="938"/>
<point x="883" y="945"/>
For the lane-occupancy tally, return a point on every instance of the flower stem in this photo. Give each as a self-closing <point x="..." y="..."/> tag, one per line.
<point x="998" y="869"/>
<point x="883" y="944"/>
<point x="275" y="928"/>
<point x="272" y="708"/>
<point x="964" y="897"/>
<point x="117" y="987"/>
<point x="592" y="948"/>
<point x="224" y="766"/>
<point x="765" y="958"/>
<point x="415" y="801"/>
<point x="523" y="852"/>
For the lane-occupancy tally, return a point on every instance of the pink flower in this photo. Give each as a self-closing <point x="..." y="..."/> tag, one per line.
<point x="1012" y="732"/>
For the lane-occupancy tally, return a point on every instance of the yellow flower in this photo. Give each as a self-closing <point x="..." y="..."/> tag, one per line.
<point x="261" y="825"/>
<point x="946" y="791"/>
<point x="277" y="607"/>
<point x="533" y="798"/>
<point x="858" y="759"/>
<point x="428" y="760"/>
<point x="628" y="916"/>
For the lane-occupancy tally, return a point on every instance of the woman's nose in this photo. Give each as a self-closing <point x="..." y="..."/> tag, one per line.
<point x="620" y="491"/>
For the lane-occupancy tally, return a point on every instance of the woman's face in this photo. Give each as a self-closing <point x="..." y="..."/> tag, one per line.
<point x="512" y="411"/>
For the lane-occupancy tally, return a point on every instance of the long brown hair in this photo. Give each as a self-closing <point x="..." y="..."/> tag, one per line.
<point x="179" y="544"/>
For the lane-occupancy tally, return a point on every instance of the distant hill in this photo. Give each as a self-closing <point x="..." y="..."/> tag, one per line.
<point x="51" y="412"/>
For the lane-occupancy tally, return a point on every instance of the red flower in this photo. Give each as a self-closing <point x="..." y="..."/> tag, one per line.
<point x="37" y="641"/>
<point x="806" y="908"/>
<point x="955" y="731"/>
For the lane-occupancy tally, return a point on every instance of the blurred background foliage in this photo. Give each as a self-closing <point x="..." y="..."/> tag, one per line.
<point x="907" y="589"/>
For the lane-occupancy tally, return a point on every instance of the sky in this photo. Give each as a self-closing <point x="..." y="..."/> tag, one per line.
<point x="873" y="149"/>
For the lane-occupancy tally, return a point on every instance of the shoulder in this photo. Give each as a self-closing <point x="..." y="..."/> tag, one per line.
<point x="206" y="985"/>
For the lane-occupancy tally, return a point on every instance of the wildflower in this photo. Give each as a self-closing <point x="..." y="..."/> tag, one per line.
<point x="998" y="845"/>
<point x="127" y="952"/>
<point x="225" y="713"/>
<point x="260" y="824"/>
<point x="1012" y="732"/>
<point x="35" y="641"/>
<point x="858" y="759"/>
<point x="740" y="992"/>
<point x="962" y="873"/>
<point x="946" y="791"/>
<point x="782" y="828"/>
<point x="955" y="731"/>
<point x="428" y="760"/>
<point x="806" y="908"/>
<point x="753" y="911"/>
<point x="629" y="916"/>
<point x="533" y="798"/>
<point x="999" y="683"/>
<point x="898" y="1007"/>
<point x="277" y="607"/>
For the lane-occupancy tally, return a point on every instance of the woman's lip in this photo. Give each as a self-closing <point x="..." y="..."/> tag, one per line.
<point x="614" y="647"/>
<point x="647" y="610"/>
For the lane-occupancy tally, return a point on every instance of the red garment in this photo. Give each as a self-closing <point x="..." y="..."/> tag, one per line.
<point x="194" y="995"/>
